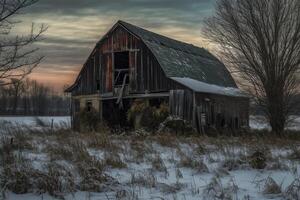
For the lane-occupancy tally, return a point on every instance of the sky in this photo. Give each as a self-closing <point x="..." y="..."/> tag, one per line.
<point x="76" y="25"/>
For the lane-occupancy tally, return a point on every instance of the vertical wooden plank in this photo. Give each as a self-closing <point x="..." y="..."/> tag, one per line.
<point x="112" y="64"/>
<point x="194" y="112"/>
<point x="142" y="87"/>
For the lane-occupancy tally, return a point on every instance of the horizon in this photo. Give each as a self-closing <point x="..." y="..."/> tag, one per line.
<point x="75" y="28"/>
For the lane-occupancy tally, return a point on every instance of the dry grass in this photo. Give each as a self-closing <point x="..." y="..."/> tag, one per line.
<point x="166" y="140"/>
<point x="57" y="181"/>
<point x="144" y="179"/>
<point x="122" y="151"/>
<point x="216" y="190"/>
<point x="295" y="154"/>
<point x="293" y="190"/>
<point x="271" y="187"/>
<point x="113" y="160"/>
<point x="258" y="159"/>
<point x="59" y="152"/>
<point x="188" y="161"/>
<point x="233" y="164"/>
<point x="158" y="164"/>
<point x="140" y="150"/>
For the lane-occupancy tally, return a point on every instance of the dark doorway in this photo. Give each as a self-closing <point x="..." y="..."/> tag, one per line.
<point x="121" y="61"/>
<point x="114" y="116"/>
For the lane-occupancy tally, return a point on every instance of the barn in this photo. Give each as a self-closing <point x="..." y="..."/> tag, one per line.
<point x="131" y="63"/>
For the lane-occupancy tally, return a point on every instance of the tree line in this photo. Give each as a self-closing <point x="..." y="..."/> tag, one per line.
<point x="28" y="97"/>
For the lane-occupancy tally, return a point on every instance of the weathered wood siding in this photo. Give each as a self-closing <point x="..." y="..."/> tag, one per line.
<point x="181" y="104"/>
<point x="209" y="110"/>
<point x="145" y="73"/>
<point x="221" y="111"/>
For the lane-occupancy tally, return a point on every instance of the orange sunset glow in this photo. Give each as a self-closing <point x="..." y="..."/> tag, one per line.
<point x="75" y="27"/>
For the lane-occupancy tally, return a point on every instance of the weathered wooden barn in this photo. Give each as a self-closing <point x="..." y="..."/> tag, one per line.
<point x="130" y="63"/>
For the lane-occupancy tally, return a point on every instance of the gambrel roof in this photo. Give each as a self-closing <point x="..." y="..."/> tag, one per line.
<point x="179" y="59"/>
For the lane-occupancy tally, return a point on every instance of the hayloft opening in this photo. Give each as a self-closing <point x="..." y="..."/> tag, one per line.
<point x="121" y="74"/>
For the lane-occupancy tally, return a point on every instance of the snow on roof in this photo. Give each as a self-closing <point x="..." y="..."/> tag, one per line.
<point x="199" y="86"/>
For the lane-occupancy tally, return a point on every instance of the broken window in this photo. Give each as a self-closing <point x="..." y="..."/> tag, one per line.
<point x="121" y="73"/>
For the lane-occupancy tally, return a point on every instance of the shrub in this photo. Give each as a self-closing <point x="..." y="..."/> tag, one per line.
<point x="176" y="124"/>
<point x="137" y="107"/>
<point x="162" y="112"/>
<point x="89" y="120"/>
<point x="149" y="117"/>
<point x="258" y="160"/>
<point x="56" y="181"/>
<point x="16" y="179"/>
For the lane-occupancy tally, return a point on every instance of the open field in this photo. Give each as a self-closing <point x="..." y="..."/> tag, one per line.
<point x="44" y="163"/>
<point x="256" y="122"/>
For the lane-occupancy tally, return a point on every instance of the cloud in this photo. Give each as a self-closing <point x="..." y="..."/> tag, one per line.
<point x="76" y="25"/>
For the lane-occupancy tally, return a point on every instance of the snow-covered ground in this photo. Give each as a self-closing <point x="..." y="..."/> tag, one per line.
<point x="32" y="121"/>
<point x="259" y="122"/>
<point x="147" y="167"/>
<point x="151" y="167"/>
<point x="256" y="122"/>
<point x="38" y="122"/>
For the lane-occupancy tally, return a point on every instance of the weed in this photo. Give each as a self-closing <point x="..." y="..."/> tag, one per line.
<point x="158" y="164"/>
<point x="215" y="190"/>
<point x="271" y="187"/>
<point x="258" y="160"/>
<point x="144" y="179"/>
<point x="292" y="192"/>
<point x="114" y="161"/>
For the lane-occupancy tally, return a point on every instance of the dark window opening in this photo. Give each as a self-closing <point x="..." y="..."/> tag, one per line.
<point x="97" y="84"/>
<point x="121" y="68"/>
<point x="88" y="106"/>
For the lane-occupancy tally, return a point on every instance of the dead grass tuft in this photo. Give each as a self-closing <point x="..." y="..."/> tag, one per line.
<point x="233" y="164"/>
<point x="166" y="140"/>
<point x="59" y="152"/>
<point x="258" y="159"/>
<point x="158" y="164"/>
<point x="113" y="160"/>
<point x="188" y="162"/>
<point x="216" y="190"/>
<point x="144" y="179"/>
<point x="293" y="190"/>
<point x="295" y="154"/>
<point x="57" y="181"/>
<point x="271" y="187"/>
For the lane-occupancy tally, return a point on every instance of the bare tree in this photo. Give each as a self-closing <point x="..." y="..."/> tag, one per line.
<point x="17" y="56"/>
<point x="260" y="40"/>
<point x="16" y="87"/>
